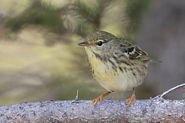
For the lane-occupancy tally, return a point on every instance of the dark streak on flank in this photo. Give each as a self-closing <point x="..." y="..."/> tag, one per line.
<point x="113" y="65"/>
<point x="121" y="56"/>
<point x="105" y="59"/>
<point x="124" y="62"/>
<point x="93" y="71"/>
<point x="120" y="69"/>
<point x="134" y="74"/>
<point x="111" y="62"/>
<point x="115" y="69"/>
<point x="115" y="58"/>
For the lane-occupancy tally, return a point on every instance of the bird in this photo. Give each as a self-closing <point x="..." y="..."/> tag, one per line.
<point x="116" y="63"/>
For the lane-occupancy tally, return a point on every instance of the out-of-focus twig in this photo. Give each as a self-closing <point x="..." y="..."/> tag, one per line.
<point x="172" y="89"/>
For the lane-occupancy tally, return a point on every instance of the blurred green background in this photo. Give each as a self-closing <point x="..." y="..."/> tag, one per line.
<point x="40" y="58"/>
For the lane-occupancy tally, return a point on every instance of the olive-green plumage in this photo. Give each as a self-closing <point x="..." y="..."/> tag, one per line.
<point x="117" y="64"/>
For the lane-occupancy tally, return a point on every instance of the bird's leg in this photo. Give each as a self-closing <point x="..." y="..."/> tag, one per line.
<point x="131" y="100"/>
<point x="100" y="97"/>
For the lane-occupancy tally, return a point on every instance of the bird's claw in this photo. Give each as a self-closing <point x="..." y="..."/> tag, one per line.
<point x="131" y="100"/>
<point x="96" y="100"/>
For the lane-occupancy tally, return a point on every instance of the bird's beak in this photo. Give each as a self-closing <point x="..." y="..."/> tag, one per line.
<point x="85" y="43"/>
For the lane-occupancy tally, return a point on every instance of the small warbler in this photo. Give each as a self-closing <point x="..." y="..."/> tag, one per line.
<point x="117" y="64"/>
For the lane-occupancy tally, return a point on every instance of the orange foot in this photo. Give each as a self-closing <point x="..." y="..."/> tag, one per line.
<point x="100" y="98"/>
<point x="96" y="100"/>
<point x="131" y="100"/>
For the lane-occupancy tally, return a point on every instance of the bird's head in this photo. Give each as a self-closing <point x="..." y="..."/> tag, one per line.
<point x="100" y="42"/>
<point x="103" y="43"/>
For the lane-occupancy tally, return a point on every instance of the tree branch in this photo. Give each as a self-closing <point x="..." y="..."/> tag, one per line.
<point x="153" y="110"/>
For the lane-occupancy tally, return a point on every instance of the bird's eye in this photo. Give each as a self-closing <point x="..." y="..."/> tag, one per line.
<point x="99" y="43"/>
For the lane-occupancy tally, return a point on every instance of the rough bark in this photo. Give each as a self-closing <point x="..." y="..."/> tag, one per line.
<point x="153" y="110"/>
